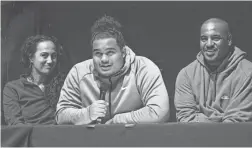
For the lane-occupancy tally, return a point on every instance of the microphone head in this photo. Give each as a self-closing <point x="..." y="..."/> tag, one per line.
<point x="103" y="90"/>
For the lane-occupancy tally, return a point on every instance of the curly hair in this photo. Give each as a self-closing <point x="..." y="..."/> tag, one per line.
<point x="106" y="27"/>
<point x="52" y="90"/>
<point x="29" y="48"/>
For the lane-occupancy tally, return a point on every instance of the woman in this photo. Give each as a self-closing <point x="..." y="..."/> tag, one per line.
<point x="32" y="99"/>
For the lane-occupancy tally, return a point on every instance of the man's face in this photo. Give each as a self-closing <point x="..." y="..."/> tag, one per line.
<point x="214" y="43"/>
<point x="108" y="58"/>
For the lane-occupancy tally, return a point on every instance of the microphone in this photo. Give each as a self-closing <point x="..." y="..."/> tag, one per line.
<point x="102" y="97"/>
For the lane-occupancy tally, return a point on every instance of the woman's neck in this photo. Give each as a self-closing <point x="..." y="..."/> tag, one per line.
<point x="38" y="78"/>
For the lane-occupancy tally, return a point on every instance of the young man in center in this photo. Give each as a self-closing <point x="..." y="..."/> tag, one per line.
<point x="115" y="87"/>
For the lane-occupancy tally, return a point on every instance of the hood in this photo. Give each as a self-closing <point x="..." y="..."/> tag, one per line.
<point x="228" y="63"/>
<point x="105" y="82"/>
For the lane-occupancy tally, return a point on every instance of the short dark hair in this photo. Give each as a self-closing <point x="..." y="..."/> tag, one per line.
<point x="29" y="47"/>
<point x="106" y="27"/>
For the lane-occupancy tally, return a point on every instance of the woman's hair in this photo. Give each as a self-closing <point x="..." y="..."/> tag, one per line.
<point x="29" y="48"/>
<point x="106" y="27"/>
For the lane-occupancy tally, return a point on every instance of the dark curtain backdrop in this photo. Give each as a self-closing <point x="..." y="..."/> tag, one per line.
<point x="166" y="32"/>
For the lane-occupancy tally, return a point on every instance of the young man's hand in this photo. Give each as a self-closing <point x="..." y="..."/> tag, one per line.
<point x="98" y="109"/>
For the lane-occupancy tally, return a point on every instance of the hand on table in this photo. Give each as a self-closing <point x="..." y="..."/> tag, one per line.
<point x="97" y="109"/>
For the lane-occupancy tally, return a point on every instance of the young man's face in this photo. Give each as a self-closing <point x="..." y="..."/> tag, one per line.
<point x="108" y="58"/>
<point x="214" y="43"/>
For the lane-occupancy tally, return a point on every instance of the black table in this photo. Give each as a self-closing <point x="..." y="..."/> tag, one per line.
<point x="154" y="135"/>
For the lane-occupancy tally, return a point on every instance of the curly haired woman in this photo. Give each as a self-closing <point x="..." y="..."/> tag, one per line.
<point x="33" y="97"/>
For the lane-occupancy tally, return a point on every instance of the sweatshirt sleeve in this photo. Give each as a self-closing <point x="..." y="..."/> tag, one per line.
<point x="12" y="110"/>
<point x="154" y="97"/>
<point x="184" y="100"/>
<point x="240" y="107"/>
<point x="69" y="107"/>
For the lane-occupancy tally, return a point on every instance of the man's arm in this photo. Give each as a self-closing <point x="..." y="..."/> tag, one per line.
<point x="154" y="97"/>
<point x="240" y="107"/>
<point x="185" y="104"/>
<point x="12" y="111"/>
<point x="69" y="107"/>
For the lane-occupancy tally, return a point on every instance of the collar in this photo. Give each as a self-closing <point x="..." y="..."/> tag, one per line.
<point x="24" y="80"/>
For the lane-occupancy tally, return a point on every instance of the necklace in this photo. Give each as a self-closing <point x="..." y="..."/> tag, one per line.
<point x="41" y="86"/>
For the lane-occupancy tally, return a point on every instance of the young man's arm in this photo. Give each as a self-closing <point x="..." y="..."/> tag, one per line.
<point x="154" y="97"/>
<point x="69" y="107"/>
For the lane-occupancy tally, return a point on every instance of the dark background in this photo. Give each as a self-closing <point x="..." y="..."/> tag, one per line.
<point x="167" y="32"/>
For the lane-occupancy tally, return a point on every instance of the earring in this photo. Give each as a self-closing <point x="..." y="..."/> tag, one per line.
<point x="30" y="65"/>
<point x="230" y="43"/>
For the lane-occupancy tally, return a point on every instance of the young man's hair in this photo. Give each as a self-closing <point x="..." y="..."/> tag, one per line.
<point x="106" y="27"/>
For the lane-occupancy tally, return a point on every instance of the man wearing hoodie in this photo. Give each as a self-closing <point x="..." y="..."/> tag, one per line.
<point x="217" y="86"/>
<point x="116" y="86"/>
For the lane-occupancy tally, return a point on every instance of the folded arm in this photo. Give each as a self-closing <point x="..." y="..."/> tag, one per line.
<point x="185" y="103"/>
<point x="240" y="107"/>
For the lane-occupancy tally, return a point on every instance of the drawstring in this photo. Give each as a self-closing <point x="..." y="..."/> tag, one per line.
<point x="110" y="89"/>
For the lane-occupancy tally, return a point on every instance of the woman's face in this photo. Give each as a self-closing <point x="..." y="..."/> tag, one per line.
<point x="44" y="59"/>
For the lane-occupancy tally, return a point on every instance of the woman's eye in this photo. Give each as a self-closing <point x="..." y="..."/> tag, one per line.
<point x="54" y="56"/>
<point x="216" y="38"/>
<point x="44" y="55"/>
<point x="110" y="52"/>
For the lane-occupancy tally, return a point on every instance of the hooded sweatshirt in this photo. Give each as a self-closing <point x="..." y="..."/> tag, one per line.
<point x="136" y="94"/>
<point x="224" y="95"/>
